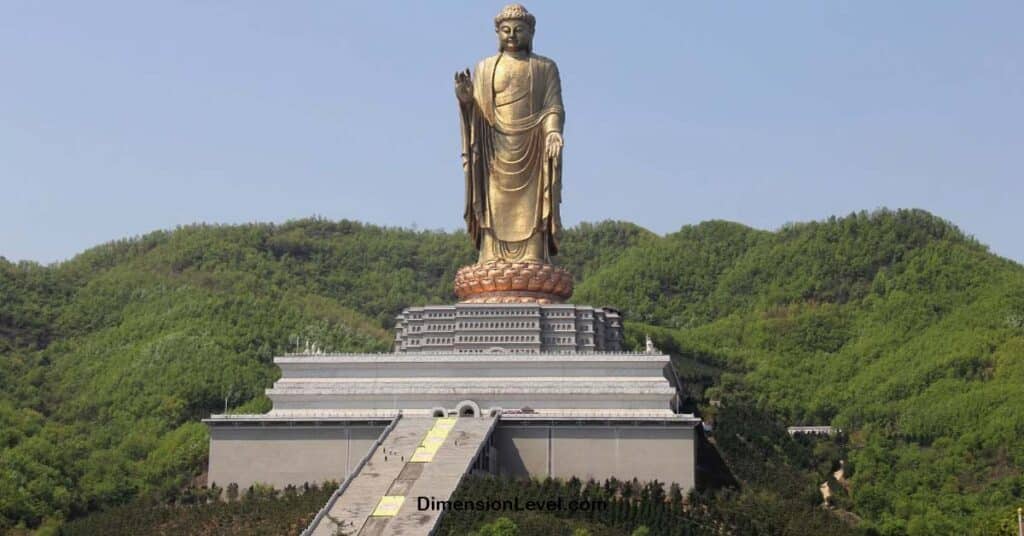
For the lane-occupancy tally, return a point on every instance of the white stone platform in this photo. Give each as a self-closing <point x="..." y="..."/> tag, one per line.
<point x="522" y="413"/>
<point x="373" y="384"/>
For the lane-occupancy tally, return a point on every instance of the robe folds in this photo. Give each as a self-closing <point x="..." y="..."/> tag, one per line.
<point x="513" y="189"/>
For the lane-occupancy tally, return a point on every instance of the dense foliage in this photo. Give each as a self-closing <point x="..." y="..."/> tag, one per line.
<point x="211" y="512"/>
<point x="613" y="507"/>
<point x="777" y="496"/>
<point x="891" y="325"/>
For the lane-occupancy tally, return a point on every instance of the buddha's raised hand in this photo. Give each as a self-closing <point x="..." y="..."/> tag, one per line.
<point x="463" y="86"/>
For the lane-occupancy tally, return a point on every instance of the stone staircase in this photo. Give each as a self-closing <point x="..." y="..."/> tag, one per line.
<point x="360" y="498"/>
<point x="391" y="472"/>
<point x="440" y="477"/>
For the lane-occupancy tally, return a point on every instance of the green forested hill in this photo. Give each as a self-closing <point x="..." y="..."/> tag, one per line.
<point x="892" y="325"/>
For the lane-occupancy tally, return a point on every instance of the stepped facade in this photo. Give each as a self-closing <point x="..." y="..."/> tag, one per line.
<point x="527" y="328"/>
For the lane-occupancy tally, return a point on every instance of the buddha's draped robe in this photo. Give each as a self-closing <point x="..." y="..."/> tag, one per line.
<point x="512" y="188"/>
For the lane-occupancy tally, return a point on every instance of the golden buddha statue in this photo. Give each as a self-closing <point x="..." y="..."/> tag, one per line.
<point x="512" y="116"/>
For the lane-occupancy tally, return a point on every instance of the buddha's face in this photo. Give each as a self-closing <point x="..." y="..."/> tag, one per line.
<point x="514" y="35"/>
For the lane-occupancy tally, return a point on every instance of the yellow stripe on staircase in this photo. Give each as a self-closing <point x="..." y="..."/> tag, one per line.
<point x="388" y="506"/>
<point x="422" y="455"/>
<point x="433" y="440"/>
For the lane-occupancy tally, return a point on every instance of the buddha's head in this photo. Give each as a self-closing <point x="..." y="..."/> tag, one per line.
<point x="514" y="26"/>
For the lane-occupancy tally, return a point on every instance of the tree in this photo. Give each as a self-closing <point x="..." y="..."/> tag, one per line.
<point x="502" y="526"/>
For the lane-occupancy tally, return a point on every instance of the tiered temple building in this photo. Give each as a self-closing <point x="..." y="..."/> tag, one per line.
<point x="520" y="329"/>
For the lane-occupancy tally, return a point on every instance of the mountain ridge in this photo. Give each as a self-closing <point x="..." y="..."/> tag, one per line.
<point x="894" y="325"/>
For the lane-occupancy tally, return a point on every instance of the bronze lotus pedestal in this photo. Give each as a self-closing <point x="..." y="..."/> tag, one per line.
<point x="501" y="281"/>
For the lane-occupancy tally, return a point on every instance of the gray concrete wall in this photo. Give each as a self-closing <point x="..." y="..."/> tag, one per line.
<point x="286" y="455"/>
<point x="667" y="454"/>
<point x="522" y="451"/>
<point x="295" y="454"/>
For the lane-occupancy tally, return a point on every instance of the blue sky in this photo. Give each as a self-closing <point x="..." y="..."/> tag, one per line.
<point x="119" y="118"/>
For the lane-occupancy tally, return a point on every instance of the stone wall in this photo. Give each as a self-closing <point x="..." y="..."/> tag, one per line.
<point x="626" y="451"/>
<point x="282" y="455"/>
